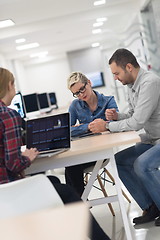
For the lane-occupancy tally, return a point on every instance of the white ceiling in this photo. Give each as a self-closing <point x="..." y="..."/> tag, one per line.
<point x="62" y="25"/>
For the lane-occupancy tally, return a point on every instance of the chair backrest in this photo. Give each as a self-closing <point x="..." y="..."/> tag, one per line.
<point x="27" y="195"/>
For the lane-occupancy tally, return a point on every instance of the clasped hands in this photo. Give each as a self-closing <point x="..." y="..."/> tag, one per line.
<point x="99" y="125"/>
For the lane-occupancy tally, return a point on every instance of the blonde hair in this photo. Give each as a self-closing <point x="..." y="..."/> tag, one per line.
<point x="5" y="77"/>
<point x="76" y="77"/>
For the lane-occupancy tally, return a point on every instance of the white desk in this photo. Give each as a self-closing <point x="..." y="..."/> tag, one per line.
<point x="92" y="149"/>
<point x="48" y="224"/>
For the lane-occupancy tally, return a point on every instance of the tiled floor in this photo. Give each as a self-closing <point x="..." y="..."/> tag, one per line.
<point x="113" y="226"/>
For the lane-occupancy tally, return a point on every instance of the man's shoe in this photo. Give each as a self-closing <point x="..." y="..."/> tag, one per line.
<point x="157" y="221"/>
<point x="151" y="213"/>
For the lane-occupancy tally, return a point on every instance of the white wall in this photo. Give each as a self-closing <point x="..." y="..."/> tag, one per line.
<point x="86" y="60"/>
<point x="2" y="61"/>
<point x="6" y="63"/>
<point x="48" y="77"/>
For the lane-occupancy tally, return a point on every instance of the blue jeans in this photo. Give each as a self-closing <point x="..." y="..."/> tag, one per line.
<point x="138" y="168"/>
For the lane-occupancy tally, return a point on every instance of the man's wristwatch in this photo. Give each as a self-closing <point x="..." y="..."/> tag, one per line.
<point x="107" y="125"/>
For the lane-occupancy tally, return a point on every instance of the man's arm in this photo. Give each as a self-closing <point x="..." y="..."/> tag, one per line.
<point x="147" y="101"/>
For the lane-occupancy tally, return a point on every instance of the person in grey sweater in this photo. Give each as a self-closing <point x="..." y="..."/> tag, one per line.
<point x="138" y="166"/>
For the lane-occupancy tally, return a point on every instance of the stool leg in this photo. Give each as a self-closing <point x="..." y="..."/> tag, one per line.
<point x="105" y="194"/>
<point x="124" y="194"/>
<point x="111" y="177"/>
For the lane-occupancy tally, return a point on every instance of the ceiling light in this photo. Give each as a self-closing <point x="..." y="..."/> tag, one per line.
<point x="95" y="44"/>
<point x="97" y="24"/>
<point x="96" y="31"/>
<point x="27" y="46"/>
<point x="6" y="23"/>
<point x="102" y="19"/>
<point x="100" y="2"/>
<point x="20" y="40"/>
<point x="40" y="54"/>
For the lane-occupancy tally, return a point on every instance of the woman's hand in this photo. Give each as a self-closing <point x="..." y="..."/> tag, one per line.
<point x="30" y="153"/>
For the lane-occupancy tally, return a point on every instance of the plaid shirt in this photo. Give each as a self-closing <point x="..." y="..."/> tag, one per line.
<point x="12" y="163"/>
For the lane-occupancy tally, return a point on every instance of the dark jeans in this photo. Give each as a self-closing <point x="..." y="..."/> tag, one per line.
<point x="68" y="195"/>
<point x="74" y="176"/>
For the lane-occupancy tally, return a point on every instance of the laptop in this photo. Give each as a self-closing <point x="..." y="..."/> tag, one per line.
<point x="18" y="105"/>
<point x="50" y="134"/>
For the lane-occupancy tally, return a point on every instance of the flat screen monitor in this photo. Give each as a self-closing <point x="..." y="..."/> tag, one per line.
<point x="31" y="102"/>
<point x="96" y="78"/>
<point x="44" y="103"/>
<point x="18" y="105"/>
<point x="53" y="99"/>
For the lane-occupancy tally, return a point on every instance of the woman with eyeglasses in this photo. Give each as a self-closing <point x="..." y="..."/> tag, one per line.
<point x="88" y="106"/>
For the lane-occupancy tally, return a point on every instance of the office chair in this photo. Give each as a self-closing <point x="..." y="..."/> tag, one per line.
<point x="102" y="184"/>
<point x="27" y="195"/>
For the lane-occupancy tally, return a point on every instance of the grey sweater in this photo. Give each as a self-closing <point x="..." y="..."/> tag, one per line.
<point x="144" y="108"/>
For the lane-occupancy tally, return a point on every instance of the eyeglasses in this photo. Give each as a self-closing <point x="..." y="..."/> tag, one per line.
<point x="81" y="90"/>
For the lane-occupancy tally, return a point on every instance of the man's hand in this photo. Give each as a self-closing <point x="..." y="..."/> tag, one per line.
<point x="111" y="114"/>
<point x="97" y="126"/>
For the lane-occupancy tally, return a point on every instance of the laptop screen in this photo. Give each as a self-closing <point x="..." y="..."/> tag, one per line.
<point x="48" y="133"/>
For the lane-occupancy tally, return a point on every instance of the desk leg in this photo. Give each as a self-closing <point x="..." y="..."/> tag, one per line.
<point x="120" y="198"/>
<point x="91" y="180"/>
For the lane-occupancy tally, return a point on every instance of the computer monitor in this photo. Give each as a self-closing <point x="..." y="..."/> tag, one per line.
<point x="18" y="105"/>
<point x="53" y="99"/>
<point x="44" y="103"/>
<point x="96" y="78"/>
<point x="31" y="102"/>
